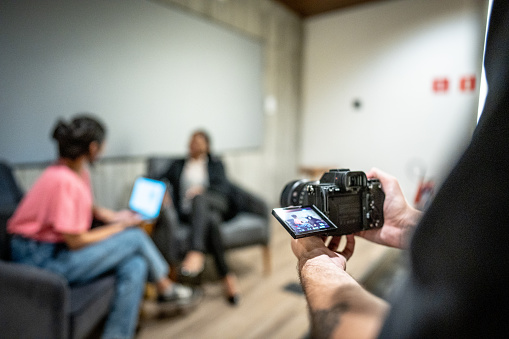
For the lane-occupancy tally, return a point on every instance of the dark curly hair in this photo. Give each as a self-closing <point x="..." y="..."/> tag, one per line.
<point x="74" y="137"/>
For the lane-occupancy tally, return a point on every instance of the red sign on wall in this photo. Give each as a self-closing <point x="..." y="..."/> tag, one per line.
<point x="467" y="83"/>
<point x="440" y="85"/>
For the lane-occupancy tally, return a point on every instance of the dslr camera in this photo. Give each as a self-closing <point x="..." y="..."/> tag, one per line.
<point x="341" y="202"/>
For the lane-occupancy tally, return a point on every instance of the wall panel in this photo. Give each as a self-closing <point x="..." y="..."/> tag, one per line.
<point x="263" y="170"/>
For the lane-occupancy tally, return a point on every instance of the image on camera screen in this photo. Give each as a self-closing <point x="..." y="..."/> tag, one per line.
<point x="302" y="221"/>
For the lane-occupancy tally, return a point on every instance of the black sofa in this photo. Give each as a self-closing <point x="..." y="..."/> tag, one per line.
<point x="35" y="303"/>
<point x="249" y="227"/>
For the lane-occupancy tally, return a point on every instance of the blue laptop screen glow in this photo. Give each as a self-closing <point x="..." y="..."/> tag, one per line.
<point x="147" y="197"/>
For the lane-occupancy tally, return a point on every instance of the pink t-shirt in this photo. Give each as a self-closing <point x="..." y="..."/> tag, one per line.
<point x="59" y="202"/>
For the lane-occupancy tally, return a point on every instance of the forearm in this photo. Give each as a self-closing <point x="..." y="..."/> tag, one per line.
<point x="77" y="241"/>
<point x="338" y="305"/>
<point x="104" y="214"/>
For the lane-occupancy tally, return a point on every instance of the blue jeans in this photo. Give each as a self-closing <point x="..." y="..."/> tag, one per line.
<point x="130" y="254"/>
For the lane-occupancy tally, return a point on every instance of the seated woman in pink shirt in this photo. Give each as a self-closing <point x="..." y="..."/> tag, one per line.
<point x="52" y="229"/>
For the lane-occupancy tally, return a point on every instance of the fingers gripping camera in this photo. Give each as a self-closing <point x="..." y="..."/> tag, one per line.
<point x="341" y="202"/>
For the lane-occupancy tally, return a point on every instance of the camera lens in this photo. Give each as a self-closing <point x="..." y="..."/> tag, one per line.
<point x="293" y="193"/>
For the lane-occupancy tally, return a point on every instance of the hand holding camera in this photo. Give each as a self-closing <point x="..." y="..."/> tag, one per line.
<point x="341" y="202"/>
<point x="400" y="218"/>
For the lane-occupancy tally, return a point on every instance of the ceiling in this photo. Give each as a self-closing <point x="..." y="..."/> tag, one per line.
<point x="308" y="8"/>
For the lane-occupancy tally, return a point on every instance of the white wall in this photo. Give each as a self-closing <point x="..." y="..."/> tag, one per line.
<point x="263" y="170"/>
<point x="152" y="73"/>
<point x="386" y="56"/>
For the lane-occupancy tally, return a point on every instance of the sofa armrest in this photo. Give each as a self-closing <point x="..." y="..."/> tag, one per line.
<point x="6" y="211"/>
<point x="245" y="229"/>
<point x="34" y="303"/>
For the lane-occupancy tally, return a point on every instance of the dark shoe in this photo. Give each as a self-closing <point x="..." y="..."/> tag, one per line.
<point x="230" y="284"/>
<point x="234" y="300"/>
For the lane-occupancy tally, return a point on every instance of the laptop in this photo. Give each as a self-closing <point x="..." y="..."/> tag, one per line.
<point x="147" y="197"/>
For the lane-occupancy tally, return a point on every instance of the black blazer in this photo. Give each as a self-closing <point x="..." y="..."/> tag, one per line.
<point x="217" y="179"/>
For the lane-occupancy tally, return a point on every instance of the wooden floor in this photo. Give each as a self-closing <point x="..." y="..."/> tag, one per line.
<point x="271" y="305"/>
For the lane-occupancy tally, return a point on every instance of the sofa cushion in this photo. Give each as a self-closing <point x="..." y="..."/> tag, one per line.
<point x="89" y="304"/>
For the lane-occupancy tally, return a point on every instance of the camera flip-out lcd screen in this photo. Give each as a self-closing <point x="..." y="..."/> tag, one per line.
<point x="303" y="221"/>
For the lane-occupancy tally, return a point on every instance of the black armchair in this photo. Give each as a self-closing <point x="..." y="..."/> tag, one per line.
<point x="36" y="303"/>
<point x="250" y="226"/>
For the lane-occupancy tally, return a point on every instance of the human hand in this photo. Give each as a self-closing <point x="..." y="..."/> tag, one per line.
<point x="312" y="247"/>
<point x="135" y="220"/>
<point x="399" y="217"/>
<point x="128" y="218"/>
<point x="167" y="200"/>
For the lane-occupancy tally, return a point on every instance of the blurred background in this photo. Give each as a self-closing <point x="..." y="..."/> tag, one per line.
<point x="287" y="90"/>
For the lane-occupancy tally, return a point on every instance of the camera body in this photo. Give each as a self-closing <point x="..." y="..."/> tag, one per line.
<point x="347" y="198"/>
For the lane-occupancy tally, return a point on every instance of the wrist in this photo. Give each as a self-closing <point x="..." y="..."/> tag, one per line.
<point x="318" y="262"/>
<point x="408" y="224"/>
<point x="411" y="217"/>
<point x="122" y="225"/>
<point x="317" y="275"/>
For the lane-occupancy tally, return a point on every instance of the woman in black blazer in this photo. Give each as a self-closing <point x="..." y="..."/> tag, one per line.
<point x="201" y="196"/>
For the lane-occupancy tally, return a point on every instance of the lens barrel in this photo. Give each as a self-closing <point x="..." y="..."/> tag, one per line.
<point x="293" y="193"/>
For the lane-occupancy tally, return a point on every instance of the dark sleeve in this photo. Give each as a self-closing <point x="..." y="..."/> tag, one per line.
<point x="172" y="175"/>
<point x="218" y="181"/>
<point x="458" y="283"/>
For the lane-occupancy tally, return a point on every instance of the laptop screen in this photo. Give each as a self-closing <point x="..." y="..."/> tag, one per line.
<point x="147" y="197"/>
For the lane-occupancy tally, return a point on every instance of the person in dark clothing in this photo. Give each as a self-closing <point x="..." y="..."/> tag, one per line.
<point x="457" y="281"/>
<point x="201" y="197"/>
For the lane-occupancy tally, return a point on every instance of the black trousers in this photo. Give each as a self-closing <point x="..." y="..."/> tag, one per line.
<point x="206" y="215"/>
<point x="198" y="231"/>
